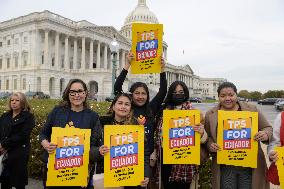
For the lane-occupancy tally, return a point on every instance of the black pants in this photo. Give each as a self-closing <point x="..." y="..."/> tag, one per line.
<point x="5" y="183"/>
<point x="133" y="187"/>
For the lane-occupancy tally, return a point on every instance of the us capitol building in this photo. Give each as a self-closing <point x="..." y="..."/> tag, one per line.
<point x="42" y="51"/>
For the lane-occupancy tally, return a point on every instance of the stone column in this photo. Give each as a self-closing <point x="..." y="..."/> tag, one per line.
<point x="35" y="53"/>
<point x="91" y="55"/>
<point x="12" y="58"/>
<point x="105" y="56"/>
<point x="66" y="54"/>
<point x="21" y="52"/>
<point x="56" y="53"/>
<point x="99" y="55"/>
<point x="46" y="50"/>
<point x="75" y="59"/>
<point x="83" y="57"/>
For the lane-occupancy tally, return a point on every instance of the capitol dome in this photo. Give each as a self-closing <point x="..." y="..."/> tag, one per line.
<point x="141" y="14"/>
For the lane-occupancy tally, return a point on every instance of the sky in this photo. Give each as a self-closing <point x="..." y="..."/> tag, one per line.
<point x="240" y="40"/>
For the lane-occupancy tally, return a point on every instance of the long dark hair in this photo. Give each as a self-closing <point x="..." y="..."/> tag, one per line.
<point x="65" y="97"/>
<point x="130" y="118"/>
<point x="172" y="88"/>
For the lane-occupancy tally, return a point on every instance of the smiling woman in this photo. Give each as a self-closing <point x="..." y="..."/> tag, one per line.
<point x="73" y="110"/>
<point x="227" y="176"/>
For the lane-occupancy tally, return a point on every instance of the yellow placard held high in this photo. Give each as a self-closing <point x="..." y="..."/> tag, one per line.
<point x="68" y="165"/>
<point x="236" y="130"/>
<point x="147" y="42"/>
<point x="124" y="164"/>
<point x="280" y="165"/>
<point x="181" y="145"/>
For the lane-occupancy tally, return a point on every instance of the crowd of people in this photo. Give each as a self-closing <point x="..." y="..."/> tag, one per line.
<point x="134" y="108"/>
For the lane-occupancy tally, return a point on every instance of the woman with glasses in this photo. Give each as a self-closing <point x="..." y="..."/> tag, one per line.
<point x="72" y="110"/>
<point x="178" y="176"/>
<point x="15" y="129"/>
<point x="121" y="113"/>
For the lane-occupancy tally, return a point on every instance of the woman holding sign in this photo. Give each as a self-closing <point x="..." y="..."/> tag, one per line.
<point x="74" y="111"/>
<point x="15" y="128"/>
<point x="121" y="113"/>
<point x="177" y="176"/>
<point x="229" y="176"/>
<point x="144" y="111"/>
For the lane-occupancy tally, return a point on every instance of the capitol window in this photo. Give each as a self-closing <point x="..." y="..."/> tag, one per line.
<point x="7" y="84"/>
<point x="16" y="61"/>
<point x="24" y="83"/>
<point x="1" y="44"/>
<point x="15" y="84"/>
<point x="17" y="41"/>
<point x="25" y="39"/>
<point x="0" y="63"/>
<point x="9" y="42"/>
<point x="8" y="62"/>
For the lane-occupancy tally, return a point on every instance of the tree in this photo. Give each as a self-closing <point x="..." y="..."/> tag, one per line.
<point x="255" y="95"/>
<point x="244" y="94"/>
<point x="274" y="94"/>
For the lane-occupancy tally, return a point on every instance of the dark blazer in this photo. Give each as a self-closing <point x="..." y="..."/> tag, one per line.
<point x="15" y="138"/>
<point x="59" y="118"/>
<point x="108" y="120"/>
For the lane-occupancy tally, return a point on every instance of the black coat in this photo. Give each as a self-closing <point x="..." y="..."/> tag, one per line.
<point x="15" y="138"/>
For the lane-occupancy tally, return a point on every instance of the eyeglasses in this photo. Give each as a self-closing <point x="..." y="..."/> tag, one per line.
<point x="74" y="92"/>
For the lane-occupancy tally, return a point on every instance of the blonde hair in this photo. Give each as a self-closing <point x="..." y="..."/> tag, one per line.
<point x="23" y="101"/>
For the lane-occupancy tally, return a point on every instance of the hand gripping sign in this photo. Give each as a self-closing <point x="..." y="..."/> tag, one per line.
<point x="181" y="145"/>
<point x="236" y="130"/>
<point x="147" y="43"/>
<point x="124" y="164"/>
<point x="280" y="164"/>
<point x="68" y="165"/>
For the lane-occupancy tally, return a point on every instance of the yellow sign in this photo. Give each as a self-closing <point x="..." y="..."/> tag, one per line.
<point x="68" y="165"/>
<point x="124" y="164"/>
<point x="147" y="46"/>
<point x="280" y="165"/>
<point x="181" y="145"/>
<point x="236" y="130"/>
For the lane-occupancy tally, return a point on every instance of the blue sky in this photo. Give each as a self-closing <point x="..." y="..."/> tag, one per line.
<point x="241" y="40"/>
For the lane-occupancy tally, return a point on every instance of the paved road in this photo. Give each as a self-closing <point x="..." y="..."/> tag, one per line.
<point x="269" y="112"/>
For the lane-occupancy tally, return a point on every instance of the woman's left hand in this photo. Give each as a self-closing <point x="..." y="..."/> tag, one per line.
<point x="261" y="136"/>
<point x="145" y="182"/>
<point x="163" y="64"/>
<point x="199" y="128"/>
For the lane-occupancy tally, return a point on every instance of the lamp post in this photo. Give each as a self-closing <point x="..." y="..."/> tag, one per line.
<point x="114" y="48"/>
<point x="29" y="86"/>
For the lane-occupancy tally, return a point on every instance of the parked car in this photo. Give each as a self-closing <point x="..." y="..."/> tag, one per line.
<point x="109" y="99"/>
<point x="38" y="95"/>
<point x="267" y="101"/>
<point x="4" y="95"/>
<point x="195" y="99"/>
<point x="279" y="105"/>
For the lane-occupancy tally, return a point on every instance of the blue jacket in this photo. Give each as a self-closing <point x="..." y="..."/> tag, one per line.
<point x="59" y="117"/>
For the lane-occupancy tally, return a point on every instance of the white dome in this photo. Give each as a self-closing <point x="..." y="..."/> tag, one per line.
<point x="141" y="14"/>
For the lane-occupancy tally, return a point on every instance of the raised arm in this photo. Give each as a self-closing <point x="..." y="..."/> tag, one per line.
<point x="121" y="78"/>
<point x="156" y="102"/>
